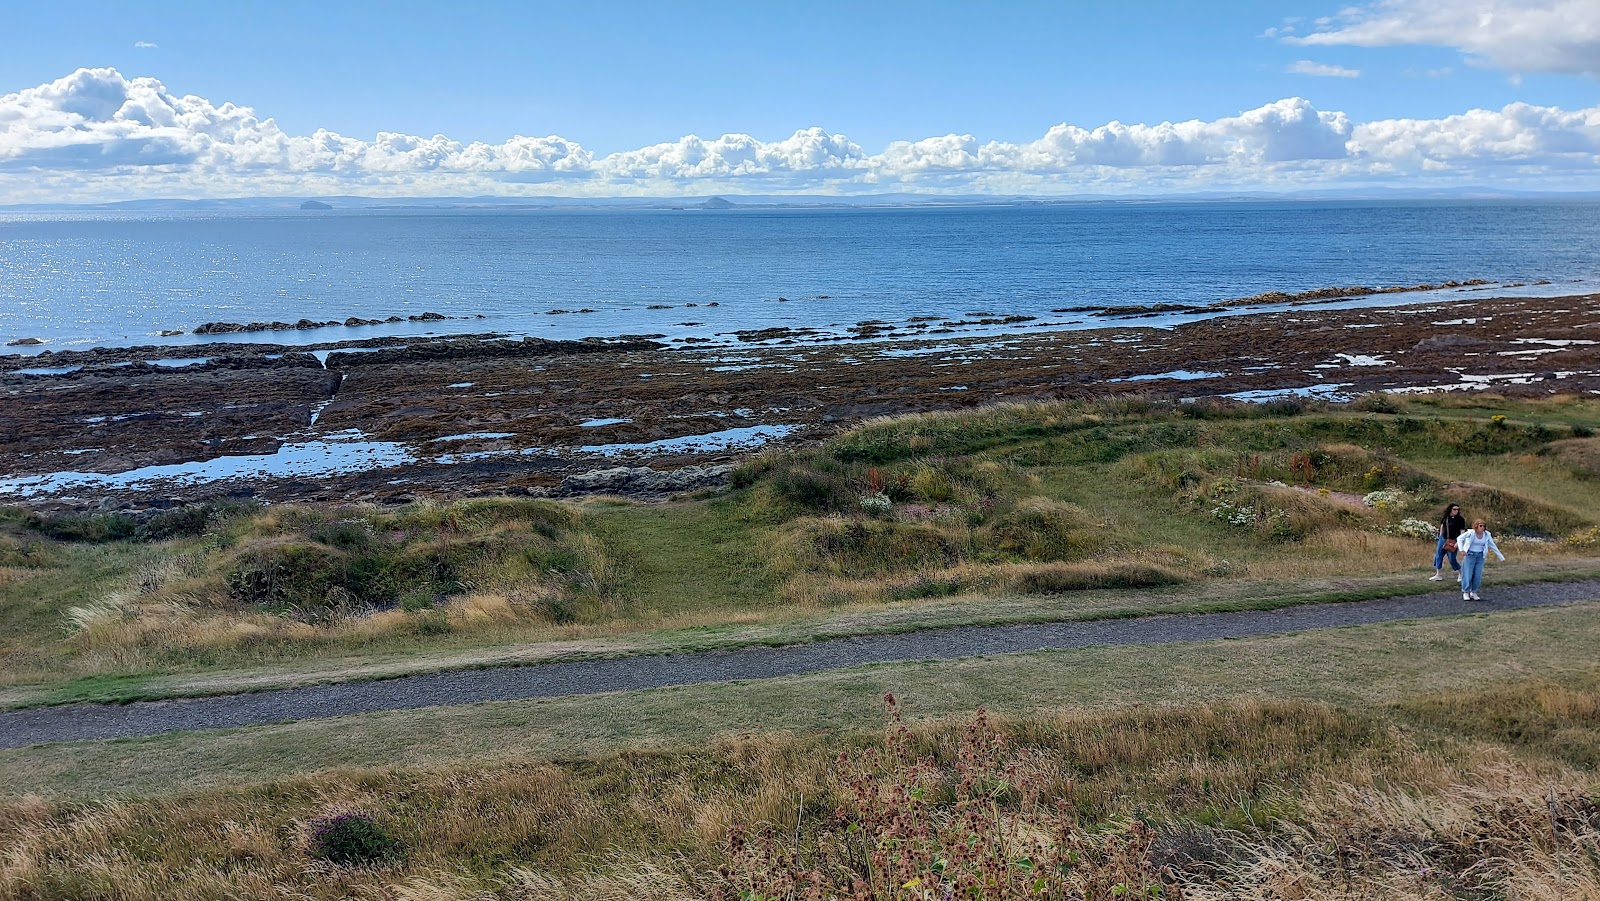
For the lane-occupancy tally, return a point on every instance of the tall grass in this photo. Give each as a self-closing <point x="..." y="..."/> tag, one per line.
<point x="1255" y="799"/>
<point x="1019" y="498"/>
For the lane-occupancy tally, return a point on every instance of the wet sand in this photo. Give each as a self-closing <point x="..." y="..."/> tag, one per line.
<point x="476" y="415"/>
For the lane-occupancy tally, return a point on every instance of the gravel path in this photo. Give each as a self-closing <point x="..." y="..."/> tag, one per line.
<point x="95" y="721"/>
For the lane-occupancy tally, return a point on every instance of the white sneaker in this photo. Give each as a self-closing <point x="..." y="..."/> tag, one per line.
<point x="1435" y="578"/>
<point x="1458" y="577"/>
<point x="1475" y="596"/>
<point x="1466" y="596"/>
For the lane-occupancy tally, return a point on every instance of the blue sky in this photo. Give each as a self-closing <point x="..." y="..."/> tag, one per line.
<point x="617" y="78"/>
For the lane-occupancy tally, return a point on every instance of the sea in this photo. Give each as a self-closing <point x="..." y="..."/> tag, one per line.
<point x="80" y="279"/>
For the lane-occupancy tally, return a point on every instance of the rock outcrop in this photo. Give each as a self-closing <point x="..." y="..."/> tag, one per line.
<point x="641" y="480"/>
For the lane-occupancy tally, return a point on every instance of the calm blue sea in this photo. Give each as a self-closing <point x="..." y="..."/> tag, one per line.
<point x="86" y="278"/>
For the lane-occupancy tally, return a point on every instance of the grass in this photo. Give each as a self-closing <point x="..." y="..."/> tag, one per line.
<point x="1224" y="769"/>
<point x="1016" y="513"/>
<point x="1358" y="668"/>
<point x="720" y="634"/>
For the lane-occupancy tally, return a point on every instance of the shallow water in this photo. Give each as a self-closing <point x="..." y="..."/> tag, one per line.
<point x="86" y="278"/>
<point x="302" y="459"/>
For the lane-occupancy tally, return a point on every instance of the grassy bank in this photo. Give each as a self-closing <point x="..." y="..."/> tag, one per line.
<point x="1060" y="510"/>
<point x="1435" y="759"/>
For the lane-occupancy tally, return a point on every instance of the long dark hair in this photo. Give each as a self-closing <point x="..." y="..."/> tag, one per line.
<point x="1447" y="509"/>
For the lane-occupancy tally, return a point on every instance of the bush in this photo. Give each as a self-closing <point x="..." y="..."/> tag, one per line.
<point x="189" y="520"/>
<point x="94" y="528"/>
<point x="350" y="839"/>
<point x="1384" y="498"/>
<point x="1413" y="528"/>
<point x="814" y="489"/>
<point x="1377" y="402"/>
<point x="285" y="572"/>
<point x="876" y="505"/>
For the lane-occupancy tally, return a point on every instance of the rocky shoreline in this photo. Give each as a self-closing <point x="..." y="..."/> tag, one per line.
<point x="913" y="326"/>
<point x="468" y="415"/>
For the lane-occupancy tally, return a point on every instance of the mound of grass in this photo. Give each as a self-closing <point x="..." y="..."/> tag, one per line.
<point x="315" y="561"/>
<point x="862" y="547"/>
<point x="1026" y="498"/>
<point x="1056" y="578"/>
<point x="1040" y="529"/>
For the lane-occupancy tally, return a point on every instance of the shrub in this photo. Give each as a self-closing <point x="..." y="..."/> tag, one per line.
<point x="1589" y="537"/>
<point x="189" y="520"/>
<point x="97" y="527"/>
<point x="876" y="504"/>
<point x="750" y="472"/>
<point x="350" y="838"/>
<point x="559" y="610"/>
<point x="813" y="489"/>
<point x="1384" y="498"/>
<point x="1377" y="402"/>
<point x="284" y="572"/>
<point x="1412" y="528"/>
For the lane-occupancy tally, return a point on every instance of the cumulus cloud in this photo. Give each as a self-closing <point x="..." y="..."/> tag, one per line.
<point x="1321" y="70"/>
<point x="98" y="135"/>
<point x="1516" y="35"/>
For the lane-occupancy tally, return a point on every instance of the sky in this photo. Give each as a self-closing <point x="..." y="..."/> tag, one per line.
<point x="115" y="101"/>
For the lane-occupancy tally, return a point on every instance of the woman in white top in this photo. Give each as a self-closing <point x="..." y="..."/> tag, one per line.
<point x="1473" y="544"/>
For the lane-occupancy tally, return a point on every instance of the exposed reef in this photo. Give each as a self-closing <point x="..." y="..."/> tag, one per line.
<point x="488" y="415"/>
<point x="232" y="328"/>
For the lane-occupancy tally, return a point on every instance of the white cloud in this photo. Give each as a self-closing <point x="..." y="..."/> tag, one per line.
<point x="1516" y="35"/>
<point x="145" y="45"/>
<point x="1518" y="134"/>
<point x="1321" y="70"/>
<point x="96" y="135"/>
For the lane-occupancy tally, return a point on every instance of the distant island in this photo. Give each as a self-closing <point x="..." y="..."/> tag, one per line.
<point x="898" y="199"/>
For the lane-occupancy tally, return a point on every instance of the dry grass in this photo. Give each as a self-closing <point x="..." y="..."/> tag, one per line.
<point x="1257" y="800"/>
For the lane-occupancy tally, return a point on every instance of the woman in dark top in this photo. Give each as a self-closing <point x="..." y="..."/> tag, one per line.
<point x="1451" y="525"/>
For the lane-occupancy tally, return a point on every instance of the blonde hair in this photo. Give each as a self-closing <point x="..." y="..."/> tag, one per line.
<point x="1478" y="522"/>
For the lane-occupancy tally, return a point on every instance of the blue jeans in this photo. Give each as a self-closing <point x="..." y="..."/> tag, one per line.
<point x="1439" y="555"/>
<point x="1472" y="572"/>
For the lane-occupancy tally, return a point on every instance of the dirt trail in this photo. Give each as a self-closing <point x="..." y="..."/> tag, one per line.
<point x="87" y="722"/>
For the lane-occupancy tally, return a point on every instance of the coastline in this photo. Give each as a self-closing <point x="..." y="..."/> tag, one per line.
<point x="371" y="420"/>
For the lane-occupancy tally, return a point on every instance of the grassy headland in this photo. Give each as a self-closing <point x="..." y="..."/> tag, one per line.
<point x="1440" y="759"/>
<point x="1020" y="512"/>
